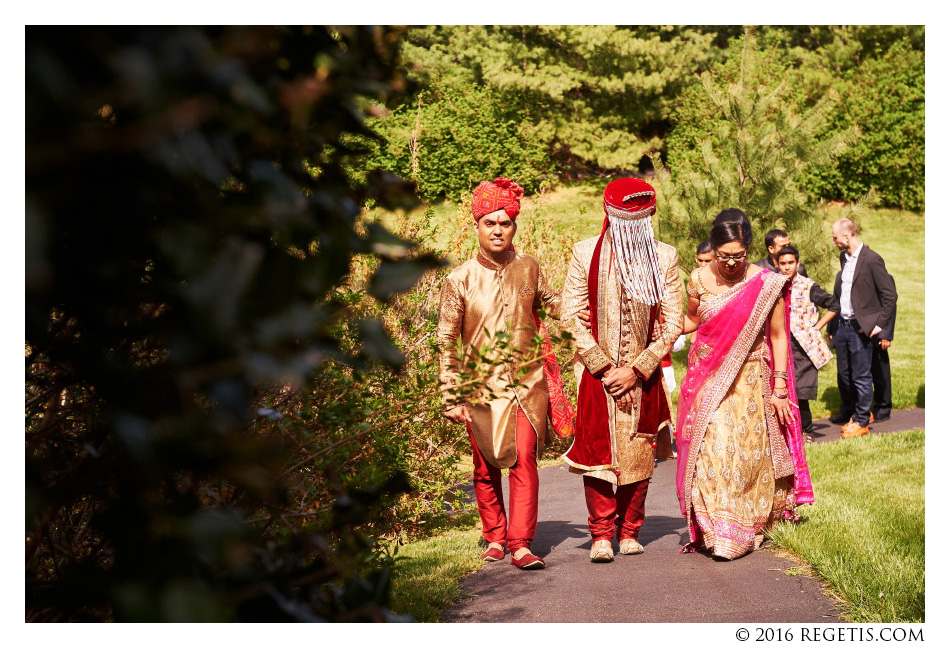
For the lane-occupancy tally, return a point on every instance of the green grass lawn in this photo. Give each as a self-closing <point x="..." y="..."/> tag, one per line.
<point x="427" y="573"/>
<point x="865" y="534"/>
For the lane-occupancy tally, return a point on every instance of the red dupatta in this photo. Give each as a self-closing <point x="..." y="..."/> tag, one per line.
<point x="560" y="410"/>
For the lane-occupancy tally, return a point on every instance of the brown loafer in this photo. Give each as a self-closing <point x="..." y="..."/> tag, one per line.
<point x="851" y="421"/>
<point x="493" y="554"/>
<point x="527" y="561"/>
<point x="853" y="430"/>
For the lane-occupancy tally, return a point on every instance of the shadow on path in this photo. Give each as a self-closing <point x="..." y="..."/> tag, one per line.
<point x="661" y="585"/>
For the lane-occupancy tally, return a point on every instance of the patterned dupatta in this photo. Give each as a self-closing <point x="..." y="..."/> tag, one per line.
<point x="560" y="410"/>
<point x="730" y="325"/>
<point x="804" y="316"/>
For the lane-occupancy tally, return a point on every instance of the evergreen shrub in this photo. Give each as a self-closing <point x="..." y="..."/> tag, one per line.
<point x="448" y="140"/>
<point x="741" y="142"/>
<point x="209" y="411"/>
<point x="884" y="98"/>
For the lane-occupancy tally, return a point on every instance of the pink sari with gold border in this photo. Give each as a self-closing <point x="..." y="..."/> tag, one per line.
<point x="730" y="323"/>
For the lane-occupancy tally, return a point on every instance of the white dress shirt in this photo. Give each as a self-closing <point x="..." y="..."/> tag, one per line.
<point x="847" y="278"/>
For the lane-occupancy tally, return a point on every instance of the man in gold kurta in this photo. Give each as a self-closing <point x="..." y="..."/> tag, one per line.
<point x="499" y="291"/>
<point x="630" y="282"/>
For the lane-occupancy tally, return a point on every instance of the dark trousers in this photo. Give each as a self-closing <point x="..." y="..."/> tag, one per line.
<point x="854" y="371"/>
<point x="805" y="410"/>
<point x="881" y="377"/>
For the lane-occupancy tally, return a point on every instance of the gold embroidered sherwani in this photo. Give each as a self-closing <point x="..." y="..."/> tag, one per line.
<point x="480" y="295"/>
<point x="623" y="344"/>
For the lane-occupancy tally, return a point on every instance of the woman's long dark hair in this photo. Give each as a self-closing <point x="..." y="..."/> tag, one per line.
<point x="731" y="225"/>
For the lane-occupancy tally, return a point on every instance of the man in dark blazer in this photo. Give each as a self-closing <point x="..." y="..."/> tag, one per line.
<point x="868" y="301"/>
<point x="881" y="373"/>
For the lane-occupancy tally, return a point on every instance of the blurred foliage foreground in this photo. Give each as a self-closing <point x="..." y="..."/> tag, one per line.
<point x="218" y="425"/>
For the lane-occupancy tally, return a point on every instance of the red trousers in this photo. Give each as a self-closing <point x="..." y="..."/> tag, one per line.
<point x="625" y="508"/>
<point x="518" y="528"/>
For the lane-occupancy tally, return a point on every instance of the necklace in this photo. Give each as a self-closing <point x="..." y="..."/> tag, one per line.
<point x="726" y="281"/>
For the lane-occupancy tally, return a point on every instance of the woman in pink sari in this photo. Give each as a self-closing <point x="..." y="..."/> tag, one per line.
<point x="740" y="463"/>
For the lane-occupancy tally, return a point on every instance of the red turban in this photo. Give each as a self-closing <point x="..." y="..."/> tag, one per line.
<point x="629" y="199"/>
<point x="492" y="196"/>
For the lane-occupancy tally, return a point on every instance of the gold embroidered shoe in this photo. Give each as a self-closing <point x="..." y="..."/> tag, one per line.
<point x="629" y="547"/>
<point x="602" y="551"/>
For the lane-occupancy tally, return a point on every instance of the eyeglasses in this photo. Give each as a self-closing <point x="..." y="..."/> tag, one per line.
<point x="732" y="257"/>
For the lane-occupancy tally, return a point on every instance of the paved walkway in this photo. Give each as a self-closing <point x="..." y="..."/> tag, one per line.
<point x="660" y="585"/>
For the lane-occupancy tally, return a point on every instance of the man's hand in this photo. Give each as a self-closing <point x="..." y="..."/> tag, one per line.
<point x="625" y="402"/>
<point x="619" y="381"/>
<point x="885" y="345"/>
<point x="584" y="317"/>
<point x="875" y="331"/>
<point x="458" y="414"/>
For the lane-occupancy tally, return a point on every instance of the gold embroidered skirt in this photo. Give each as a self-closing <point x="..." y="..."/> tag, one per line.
<point x="735" y="494"/>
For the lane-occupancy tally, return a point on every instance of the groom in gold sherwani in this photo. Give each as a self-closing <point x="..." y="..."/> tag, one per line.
<point x="630" y="283"/>
<point x="499" y="291"/>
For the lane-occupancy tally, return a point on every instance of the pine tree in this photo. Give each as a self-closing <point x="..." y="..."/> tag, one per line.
<point x="749" y="150"/>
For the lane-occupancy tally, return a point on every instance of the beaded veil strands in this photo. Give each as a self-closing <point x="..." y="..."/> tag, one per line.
<point x="638" y="265"/>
